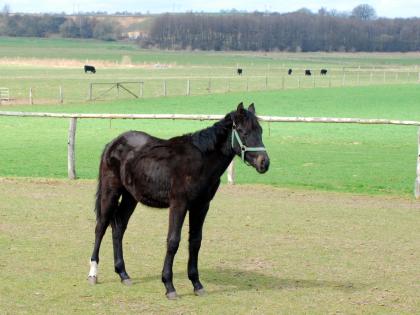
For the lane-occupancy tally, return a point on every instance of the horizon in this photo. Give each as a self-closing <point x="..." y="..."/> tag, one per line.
<point x="384" y="9"/>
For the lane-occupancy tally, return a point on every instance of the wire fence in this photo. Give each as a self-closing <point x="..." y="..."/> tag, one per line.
<point x="50" y="91"/>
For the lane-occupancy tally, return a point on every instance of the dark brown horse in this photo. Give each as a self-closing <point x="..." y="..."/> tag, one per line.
<point x="182" y="173"/>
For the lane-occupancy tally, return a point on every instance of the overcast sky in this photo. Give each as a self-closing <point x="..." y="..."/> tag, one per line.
<point x="384" y="8"/>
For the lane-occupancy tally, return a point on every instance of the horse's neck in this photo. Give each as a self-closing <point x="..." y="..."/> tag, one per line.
<point x="218" y="160"/>
<point x="215" y="143"/>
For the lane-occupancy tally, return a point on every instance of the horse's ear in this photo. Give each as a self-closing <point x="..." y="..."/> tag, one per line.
<point x="240" y="109"/>
<point x="251" y="108"/>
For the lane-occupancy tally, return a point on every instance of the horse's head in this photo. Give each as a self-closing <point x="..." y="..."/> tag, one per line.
<point x="247" y="138"/>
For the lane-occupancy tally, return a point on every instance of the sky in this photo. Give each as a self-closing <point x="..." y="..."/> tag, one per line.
<point x="384" y="8"/>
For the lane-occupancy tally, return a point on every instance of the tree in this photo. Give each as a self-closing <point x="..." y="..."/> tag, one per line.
<point x="107" y="30"/>
<point x="6" y="10"/>
<point x="364" y="12"/>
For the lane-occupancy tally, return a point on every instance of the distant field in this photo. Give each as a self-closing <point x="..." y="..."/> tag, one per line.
<point x="45" y="65"/>
<point x="365" y="159"/>
<point x="113" y="51"/>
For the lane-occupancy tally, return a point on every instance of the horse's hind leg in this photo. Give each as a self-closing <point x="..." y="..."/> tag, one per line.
<point x="108" y="196"/>
<point x="119" y="225"/>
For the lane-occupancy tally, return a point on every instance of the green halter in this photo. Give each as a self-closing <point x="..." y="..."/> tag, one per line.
<point x="243" y="147"/>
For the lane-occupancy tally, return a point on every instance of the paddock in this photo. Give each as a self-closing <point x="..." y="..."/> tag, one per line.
<point x="296" y="251"/>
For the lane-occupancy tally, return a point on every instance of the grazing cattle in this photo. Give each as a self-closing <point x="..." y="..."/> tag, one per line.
<point x="239" y="71"/>
<point x="182" y="173"/>
<point x="323" y="71"/>
<point x="308" y="72"/>
<point x="89" y="69"/>
<point x="289" y="72"/>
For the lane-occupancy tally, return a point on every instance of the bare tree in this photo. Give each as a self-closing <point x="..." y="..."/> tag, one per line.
<point x="364" y="12"/>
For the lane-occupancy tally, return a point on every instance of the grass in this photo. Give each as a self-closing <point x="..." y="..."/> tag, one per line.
<point x="352" y="158"/>
<point x="49" y="63"/>
<point x="272" y="251"/>
<point x="113" y="51"/>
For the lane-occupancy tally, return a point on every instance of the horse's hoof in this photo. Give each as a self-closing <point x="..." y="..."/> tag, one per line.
<point x="200" y="292"/>
<point x="127" y="282"/>
<point x="92" y="280"/>
<point x="172" y="295"/>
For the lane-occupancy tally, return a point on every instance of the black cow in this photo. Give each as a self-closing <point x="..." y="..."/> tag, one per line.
<point x="323" y="72"/>
<point x="89" y="69"/>
<point x="289" y="72"/>
<point x="239" y="71"/>
<point x="308" y="72"/>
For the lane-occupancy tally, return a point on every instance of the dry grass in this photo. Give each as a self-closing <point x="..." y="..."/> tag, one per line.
<point x="265" y="251"/>
<point x="74" y="64"/>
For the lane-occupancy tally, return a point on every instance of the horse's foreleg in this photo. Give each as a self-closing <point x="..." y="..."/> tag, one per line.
<point x="176" y="219"/>
<point x="119" y="225"/>
<point x="197" y="216"/>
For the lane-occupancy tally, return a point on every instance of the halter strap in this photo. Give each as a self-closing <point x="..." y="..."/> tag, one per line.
<point x="243" y="147"/>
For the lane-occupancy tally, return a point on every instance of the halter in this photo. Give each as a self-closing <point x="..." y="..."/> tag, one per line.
<point x="243" y="147"/>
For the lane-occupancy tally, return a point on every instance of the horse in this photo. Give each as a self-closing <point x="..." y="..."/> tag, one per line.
<point x="308" y="72"/>
<point x="239" y="71"/>
<point x="323" y="71"/>
<point x="182" y="173"/>
<point x="289" y="72"/>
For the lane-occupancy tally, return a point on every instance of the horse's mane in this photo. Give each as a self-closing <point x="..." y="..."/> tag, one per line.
<point x="209" y="138"/>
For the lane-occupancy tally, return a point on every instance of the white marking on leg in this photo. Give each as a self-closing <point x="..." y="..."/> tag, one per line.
<point x="93" y="272"/>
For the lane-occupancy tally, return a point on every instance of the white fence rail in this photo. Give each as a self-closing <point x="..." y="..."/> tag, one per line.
<point x="74" y="116"/>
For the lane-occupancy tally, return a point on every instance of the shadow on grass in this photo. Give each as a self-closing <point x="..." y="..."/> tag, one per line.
<point x="243" y="280"/>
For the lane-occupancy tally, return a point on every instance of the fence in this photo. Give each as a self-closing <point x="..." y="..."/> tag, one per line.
<point x="26" y="91"/>
<point x="230" y="174"/>
<point x="4" y="94"/>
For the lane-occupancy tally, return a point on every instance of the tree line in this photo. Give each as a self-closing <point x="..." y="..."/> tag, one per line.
<point x="298" y="31"/>
<point x="65" y="26"/>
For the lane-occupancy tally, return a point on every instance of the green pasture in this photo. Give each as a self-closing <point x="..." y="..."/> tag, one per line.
<point x="353" y="158"/>
<point x="45" y="65"/>
<point x="77" y="49"/>
<point x="265" y="251"/>
<point x="45" y="82"/>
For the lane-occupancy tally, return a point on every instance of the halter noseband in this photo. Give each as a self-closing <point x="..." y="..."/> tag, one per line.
<point x="243" y="147"/>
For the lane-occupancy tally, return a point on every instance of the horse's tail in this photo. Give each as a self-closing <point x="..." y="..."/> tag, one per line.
<point x="99" y="188"/>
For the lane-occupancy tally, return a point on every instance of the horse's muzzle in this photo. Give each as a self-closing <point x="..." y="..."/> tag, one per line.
<point x="262" y="163"/>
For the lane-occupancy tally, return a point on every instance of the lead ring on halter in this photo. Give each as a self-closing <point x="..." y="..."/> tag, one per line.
<point x="243" y="147"/>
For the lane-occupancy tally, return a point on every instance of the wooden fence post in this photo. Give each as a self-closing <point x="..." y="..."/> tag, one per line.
<point x="141" y="89"/>
<point x="188" y="87"/>
<point x="31" y="98"/>
<point x="209" y="86"/>
<point x="61" y="94"/>
<point x="71" y="157"/>
<point x="164" y="87"/>
<point x="90" y="91"/>
<point x="417" y="183"/>
<point x="266" y="81"/>
<point x="231" y="173"/>
<point x="282" y="82"/>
